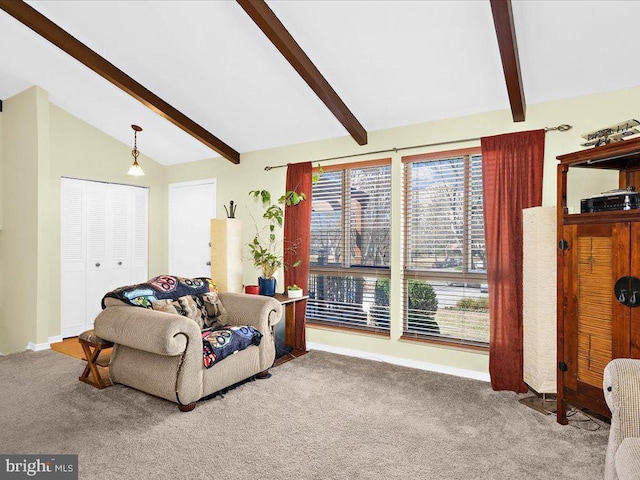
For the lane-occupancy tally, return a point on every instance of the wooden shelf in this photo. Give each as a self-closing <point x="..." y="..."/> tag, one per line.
<point x="601" y="217"/>
<point x="616" y="156"/>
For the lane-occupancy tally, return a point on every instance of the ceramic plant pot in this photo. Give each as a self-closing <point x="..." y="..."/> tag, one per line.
<point x="267" y="286"/>
<point x="294" y="293"/>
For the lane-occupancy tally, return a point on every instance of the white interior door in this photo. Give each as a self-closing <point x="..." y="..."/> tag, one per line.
<point x="192" y="205"/>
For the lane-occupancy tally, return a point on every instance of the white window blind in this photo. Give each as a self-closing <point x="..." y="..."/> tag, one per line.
<point x="445" y="295"/>
<point x="350" y="247"/>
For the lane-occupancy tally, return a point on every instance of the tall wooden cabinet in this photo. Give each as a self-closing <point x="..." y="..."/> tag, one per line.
<point x="598" y="281"/>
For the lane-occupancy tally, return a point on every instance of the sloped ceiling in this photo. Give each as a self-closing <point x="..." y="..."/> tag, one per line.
<point x="393" y="63"/>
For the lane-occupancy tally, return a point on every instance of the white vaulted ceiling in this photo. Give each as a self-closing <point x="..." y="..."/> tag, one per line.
<point x="393" y="63"/>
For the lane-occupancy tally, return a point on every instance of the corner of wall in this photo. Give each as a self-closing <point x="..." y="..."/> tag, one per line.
<point x="1" y="167"/>
<point x="22" y="245"/>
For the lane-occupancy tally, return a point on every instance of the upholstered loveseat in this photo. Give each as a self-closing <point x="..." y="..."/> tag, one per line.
<point x="162" y="353"/>
<point x="622" y="393"/>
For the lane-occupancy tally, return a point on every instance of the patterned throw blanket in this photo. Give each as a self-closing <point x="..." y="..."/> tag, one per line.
<point x="161" y="288"/>
<point x="218" y="341"/>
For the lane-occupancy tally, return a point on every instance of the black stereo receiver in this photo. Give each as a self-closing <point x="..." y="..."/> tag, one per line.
<point x="615" y="200"/>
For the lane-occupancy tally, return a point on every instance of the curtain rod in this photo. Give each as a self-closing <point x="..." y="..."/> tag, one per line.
<point x="561" y="128"/>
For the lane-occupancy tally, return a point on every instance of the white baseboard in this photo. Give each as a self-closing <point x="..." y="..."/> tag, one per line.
<point x="431" y="367"/>
<point x="37" y="347"/>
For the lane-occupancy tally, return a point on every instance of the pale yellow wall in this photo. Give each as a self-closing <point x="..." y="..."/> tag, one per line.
<point x="44" y="287"/>
<point x="24" y="296"/>
<point x="235" y="181"/>
<point x="1" y="164"/>
<point x="79" y="150"/>
<point x="40" y="144"/>
<point x="1" y="212"/>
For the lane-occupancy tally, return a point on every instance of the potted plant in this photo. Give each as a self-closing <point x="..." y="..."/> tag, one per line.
<point x="266" y="251"/>
<point x="294" y="291"/>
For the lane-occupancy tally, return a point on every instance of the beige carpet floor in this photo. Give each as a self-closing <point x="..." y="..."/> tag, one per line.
<point x="321" y="416"/>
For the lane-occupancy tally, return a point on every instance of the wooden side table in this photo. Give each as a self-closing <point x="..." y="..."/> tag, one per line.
<point x="94" y="372"/>
<point x="294" y="327"/>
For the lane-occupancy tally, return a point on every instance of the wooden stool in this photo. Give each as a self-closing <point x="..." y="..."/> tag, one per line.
<point x="89" y="340"/>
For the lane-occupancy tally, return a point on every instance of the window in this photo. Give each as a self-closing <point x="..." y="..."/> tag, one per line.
<point x="350" y="247"/>
<point x="445" y="294"/>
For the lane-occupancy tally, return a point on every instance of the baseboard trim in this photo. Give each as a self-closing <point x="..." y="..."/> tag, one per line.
<point x="38" y="347"/>
<point x="431" y="367"/>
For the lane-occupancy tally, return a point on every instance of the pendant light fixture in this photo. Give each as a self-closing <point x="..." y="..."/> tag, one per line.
<point x="135" y="170"/>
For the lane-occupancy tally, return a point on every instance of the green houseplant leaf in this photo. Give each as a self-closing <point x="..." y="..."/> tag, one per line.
<point x="267" y="255"/>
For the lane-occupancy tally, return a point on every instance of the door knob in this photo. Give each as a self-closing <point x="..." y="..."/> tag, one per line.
<point x="97" y="264"/>
<point x="208" y="264"/>
<point x="119" y="263"/>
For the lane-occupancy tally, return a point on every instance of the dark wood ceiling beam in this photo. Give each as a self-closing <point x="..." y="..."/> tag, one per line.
<point x="71" y="45"/>
<point x="275" y="31"/>
<point x="506" y="32"/>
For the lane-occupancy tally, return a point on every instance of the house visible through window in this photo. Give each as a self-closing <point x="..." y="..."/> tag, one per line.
<point x="350" y="247"/>
<point x="445" y="295"/>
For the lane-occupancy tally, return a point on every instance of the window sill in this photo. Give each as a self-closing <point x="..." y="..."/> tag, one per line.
<point x="343" y="329"/>
<point x="445" y="343"/>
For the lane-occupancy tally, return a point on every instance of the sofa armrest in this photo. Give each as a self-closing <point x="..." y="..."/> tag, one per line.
<point x="261" y="313"/>
<point x="628" y="459"/>
<point x="621" y="386"/>
<point x="258" y="311"/>
<point x="622" y="392"/>
<point x="149" y="330"/>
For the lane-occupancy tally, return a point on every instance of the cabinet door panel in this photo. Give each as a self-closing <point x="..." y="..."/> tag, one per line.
<point x="635" y="271"/>
<point x="621" y="317"/>
<point x="599" y="256"/>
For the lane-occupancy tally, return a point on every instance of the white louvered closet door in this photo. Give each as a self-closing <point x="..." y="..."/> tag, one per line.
<point x="140" y="228"/>
<point x="98" y="236"/>
<point x="114" y="237"/>
<point x="73" y="256"/>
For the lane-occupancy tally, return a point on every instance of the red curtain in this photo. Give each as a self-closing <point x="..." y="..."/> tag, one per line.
<point x="297" y="231"/>
<point x="512" y="167"/>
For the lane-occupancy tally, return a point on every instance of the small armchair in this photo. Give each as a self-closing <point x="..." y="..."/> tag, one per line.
<point x="161" y="353"/>
<point x="622" y="392"/>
